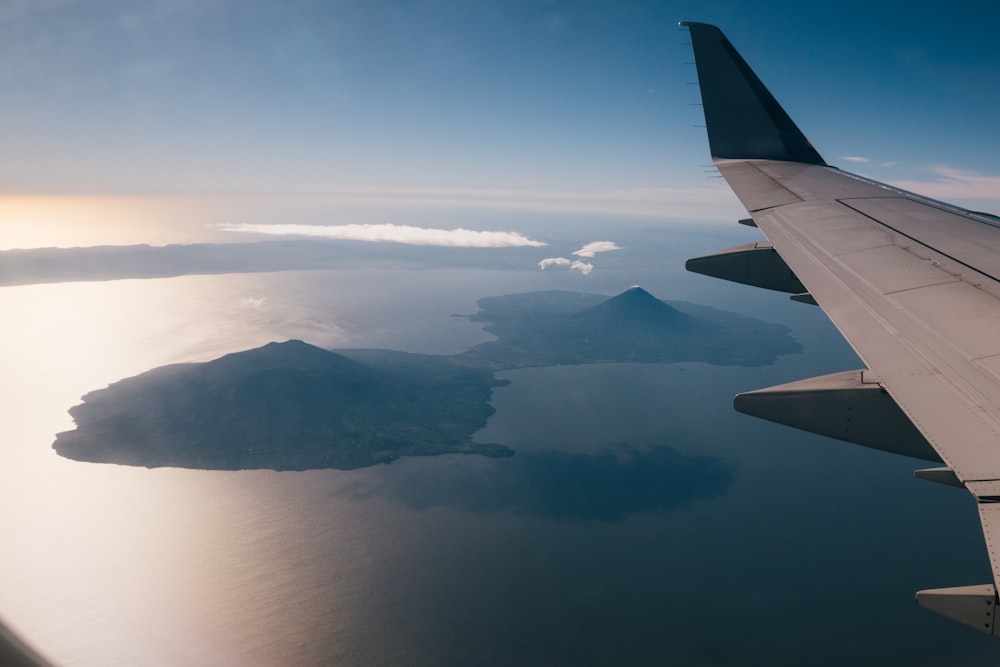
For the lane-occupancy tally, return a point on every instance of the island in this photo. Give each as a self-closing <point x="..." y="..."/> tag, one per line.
<point x="294" y="406"/>
<point x="559" y="328"/>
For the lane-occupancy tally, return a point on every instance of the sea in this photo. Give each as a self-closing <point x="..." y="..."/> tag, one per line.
<point x="641" y="522"/>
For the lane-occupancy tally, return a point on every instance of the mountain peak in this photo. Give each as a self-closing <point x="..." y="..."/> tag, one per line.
<point x="290" y="355"/>
<point x="637" y="293"/>
<point x="635" y="305"/>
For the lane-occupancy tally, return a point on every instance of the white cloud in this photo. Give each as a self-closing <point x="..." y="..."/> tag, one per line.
<point x="595" y="247"/>
<point x="553" y="261"/>
<point x="588" y="250"/>
<point x="573" y="265"/>
<point x="454" y="238"/>
<point x="854" y="158"/>
<point x="253" y="302"/>
<point x="889" y="164"/>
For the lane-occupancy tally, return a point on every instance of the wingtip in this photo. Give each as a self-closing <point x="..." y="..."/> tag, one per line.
<point x="700" y="25"/>
<point x="744" y="120"/>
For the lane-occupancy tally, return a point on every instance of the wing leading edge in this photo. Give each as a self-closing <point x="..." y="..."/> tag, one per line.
<point x="913" y="284"/>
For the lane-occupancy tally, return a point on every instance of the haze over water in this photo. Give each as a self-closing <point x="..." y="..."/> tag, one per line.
<point x="586" y="547"/>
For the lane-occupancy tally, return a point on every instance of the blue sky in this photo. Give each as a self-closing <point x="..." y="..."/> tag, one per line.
<point x="487" y="99"/>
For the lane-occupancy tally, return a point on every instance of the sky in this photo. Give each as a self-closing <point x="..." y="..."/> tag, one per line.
<point x="422" y="106"/>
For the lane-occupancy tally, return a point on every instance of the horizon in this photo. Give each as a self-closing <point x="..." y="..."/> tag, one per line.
<point x="231" y="120"/>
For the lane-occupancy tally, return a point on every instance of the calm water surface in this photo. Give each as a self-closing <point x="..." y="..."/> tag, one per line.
<point x="778" y="548"/>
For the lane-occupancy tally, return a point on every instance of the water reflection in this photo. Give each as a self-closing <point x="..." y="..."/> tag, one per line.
<point x="551" y="484"/>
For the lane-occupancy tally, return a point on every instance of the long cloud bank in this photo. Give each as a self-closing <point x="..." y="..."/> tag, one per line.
<point x="429" y="236"/>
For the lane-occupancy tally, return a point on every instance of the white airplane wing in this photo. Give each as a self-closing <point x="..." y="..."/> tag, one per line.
<point x="912" y="283"/>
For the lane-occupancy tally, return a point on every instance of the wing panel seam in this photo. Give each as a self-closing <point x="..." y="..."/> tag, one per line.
<point x="918" y="241"/>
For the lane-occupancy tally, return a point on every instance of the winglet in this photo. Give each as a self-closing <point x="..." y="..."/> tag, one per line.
<point x="744" y="120"/>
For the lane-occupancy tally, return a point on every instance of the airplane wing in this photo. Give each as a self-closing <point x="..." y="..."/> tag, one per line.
<point x="913" y="284"/>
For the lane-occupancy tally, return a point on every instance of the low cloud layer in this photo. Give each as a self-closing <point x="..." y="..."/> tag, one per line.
<point x="950" y="183"/>
<point x="452" y="238"/>
<point x="589" y="251"/>
<point x="554" y="261"/>
<point x="572" y="264"/>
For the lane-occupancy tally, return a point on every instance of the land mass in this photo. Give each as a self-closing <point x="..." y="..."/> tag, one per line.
<point x="294" y="406"/>
<point x="552" y="328"/>
<point x="285" y="406"/>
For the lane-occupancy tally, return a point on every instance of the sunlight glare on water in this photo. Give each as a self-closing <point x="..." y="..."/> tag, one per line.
<point x="110" y="544"/>
<point x="190" y="567"/>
